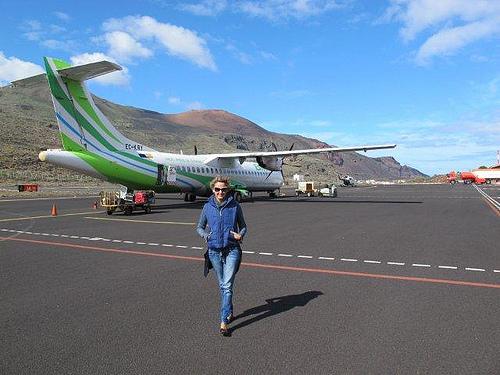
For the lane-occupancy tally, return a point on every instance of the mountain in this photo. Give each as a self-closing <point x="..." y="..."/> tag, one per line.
<point x="29" y="126"/>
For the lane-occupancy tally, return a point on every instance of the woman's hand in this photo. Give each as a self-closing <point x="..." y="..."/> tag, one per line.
<point x="236" y="236"/>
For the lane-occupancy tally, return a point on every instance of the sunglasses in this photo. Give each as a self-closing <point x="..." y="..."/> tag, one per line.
<point x="223" y="190"/>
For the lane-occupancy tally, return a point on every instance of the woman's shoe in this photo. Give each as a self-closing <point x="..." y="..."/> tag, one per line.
<point x="224" y="330"/>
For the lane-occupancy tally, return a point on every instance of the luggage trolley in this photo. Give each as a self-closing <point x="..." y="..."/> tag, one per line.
<point x="127" y="202"/>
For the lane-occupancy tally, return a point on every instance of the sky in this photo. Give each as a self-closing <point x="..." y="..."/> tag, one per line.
<point x="423" y="74"/>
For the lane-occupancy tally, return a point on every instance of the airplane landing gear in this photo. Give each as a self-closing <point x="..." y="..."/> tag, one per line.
<point x="272" y="194"/>
<point x="189" y="197"/>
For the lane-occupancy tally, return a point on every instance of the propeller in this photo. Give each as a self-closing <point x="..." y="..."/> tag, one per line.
<point x="281" y="170"/>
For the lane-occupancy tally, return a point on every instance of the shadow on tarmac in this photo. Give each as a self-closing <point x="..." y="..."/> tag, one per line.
<point x="275" y="306"/>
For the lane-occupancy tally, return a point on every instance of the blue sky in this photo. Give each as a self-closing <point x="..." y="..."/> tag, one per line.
<point x="423" y="74"/>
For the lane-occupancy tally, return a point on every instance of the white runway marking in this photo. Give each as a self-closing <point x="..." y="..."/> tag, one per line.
<point x="448" y="267"/>
<point x="283" y="255"/>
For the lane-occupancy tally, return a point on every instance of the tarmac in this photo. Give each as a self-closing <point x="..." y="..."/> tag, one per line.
<point x="380" y="280"/>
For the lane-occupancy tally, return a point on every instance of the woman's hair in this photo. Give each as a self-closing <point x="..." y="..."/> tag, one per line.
<point x="222" y="179"/>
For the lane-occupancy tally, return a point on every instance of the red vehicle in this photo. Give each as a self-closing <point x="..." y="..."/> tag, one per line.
<point x="466" y="177"/>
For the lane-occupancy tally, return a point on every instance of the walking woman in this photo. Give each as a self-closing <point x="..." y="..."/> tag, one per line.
<point x="226" y="229"/>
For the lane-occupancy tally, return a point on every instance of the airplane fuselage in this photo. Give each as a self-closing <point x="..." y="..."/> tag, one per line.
<point x="192" y="174"/>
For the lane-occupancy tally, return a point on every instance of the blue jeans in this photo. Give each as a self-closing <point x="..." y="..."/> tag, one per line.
<point x="225" y="263"/>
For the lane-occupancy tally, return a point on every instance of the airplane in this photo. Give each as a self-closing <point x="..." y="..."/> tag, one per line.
<point x="93" y="146"/>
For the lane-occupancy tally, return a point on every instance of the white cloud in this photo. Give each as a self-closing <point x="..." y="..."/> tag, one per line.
<point x="454" y="24"/>
<point x="174" y="100"/>
<point x="123" y="47"/>
<point x="67" y="45"/>
<point x="119" y="78"/>
<point x="275" y="10"/>
<point x="177" y="41"/>
<point x="62" y="16"/>
<point x="448" y="41"/>
<point x="268" y="56"/>
<point x="242" y="57"/>
<point x="205" y="7"/>
<point x="32" y="30"/>
<point x="195" y="106"/>
<point x="12" y="68"/>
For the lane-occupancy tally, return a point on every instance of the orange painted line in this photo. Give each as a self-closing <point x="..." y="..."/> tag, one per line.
<point x="103" y="249"/>
<point x="493" y="208"/>
<point x="261" y="265"/>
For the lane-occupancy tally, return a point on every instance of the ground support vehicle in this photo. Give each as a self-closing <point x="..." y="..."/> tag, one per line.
<point x="466" y="177"/>
<point x="126" y="202"/>
<point x="311" y="189"/>
<point x="330" y="191"/>
<point x="306" y="187"/>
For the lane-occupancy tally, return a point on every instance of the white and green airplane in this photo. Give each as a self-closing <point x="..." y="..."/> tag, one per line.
<point x="93" y="146"/>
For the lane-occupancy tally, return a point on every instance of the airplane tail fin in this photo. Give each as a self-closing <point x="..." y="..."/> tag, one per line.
<point x="82" y="125"/>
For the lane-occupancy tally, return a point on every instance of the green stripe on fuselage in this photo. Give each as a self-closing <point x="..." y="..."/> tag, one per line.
<point x="113" y="171"/>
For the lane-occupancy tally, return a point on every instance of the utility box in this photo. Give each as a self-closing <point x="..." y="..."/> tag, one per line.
<point x="27" y="187"/>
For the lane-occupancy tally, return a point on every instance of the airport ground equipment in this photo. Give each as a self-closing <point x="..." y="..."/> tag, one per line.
<point x="312" y="188"/>
<point x="465" y="177"/>
<point x="306" y="187"/>
<point x="328" y="191"/>
<point x="126" y="202"/>
<point x="27" y="187"/>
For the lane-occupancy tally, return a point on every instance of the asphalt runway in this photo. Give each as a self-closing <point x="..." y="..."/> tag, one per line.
<point x="381" y="280"/>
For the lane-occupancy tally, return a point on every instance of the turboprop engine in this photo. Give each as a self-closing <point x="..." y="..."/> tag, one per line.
<point x="271" y="163"/>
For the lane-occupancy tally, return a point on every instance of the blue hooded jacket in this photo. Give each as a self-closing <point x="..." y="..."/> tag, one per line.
<point x="221" y="221"/>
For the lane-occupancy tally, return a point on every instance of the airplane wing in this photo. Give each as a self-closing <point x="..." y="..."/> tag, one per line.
<point x="244" y="155"/>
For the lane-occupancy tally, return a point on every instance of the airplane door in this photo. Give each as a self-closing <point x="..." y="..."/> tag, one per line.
<point x="166" y="175"/>
<point x="171" y="175"/>
<point x="160" y="178"/>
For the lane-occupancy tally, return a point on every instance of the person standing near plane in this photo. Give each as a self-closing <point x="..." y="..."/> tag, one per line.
<point x="226" y="229"/>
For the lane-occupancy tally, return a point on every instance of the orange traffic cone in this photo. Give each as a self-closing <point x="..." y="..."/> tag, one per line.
<point x="54" y="210"/>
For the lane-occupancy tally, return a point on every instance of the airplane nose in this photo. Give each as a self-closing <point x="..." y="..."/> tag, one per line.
<point x="42" y="156"/>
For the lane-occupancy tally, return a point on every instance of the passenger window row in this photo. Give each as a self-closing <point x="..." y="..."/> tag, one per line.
<point x="210" y="170"/>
